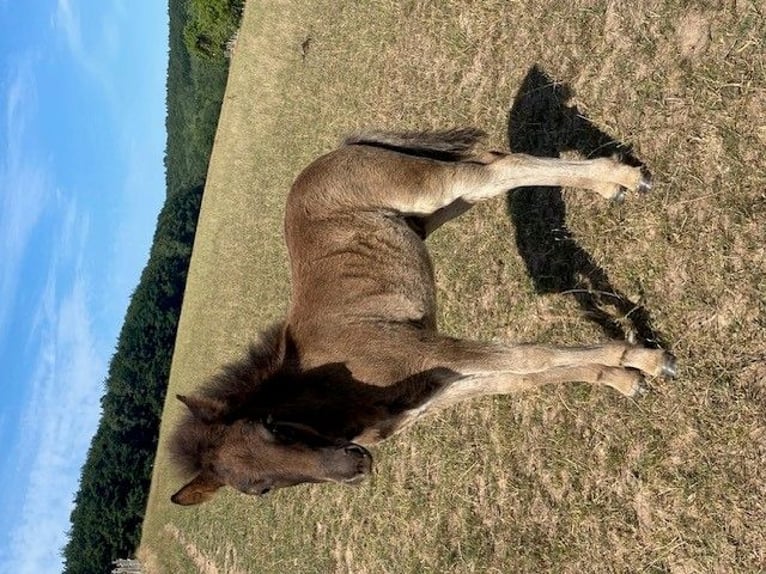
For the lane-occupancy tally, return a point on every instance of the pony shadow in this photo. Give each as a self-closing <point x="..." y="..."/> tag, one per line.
<point x="541" y="123"/>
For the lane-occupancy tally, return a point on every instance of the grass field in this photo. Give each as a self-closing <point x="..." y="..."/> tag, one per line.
<point x="566" y="479"/>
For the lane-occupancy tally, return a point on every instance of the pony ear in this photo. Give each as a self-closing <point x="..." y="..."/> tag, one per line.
<point x="204" y="409"/>
<point x="200" y="489"/>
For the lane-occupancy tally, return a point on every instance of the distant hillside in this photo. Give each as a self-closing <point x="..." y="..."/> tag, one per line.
<point x="109" y="507"/>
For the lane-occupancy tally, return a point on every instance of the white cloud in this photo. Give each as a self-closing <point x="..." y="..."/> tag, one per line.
<point x="61" y="413"/>
<point x="62" y="406"/>
<point x="63" y="402"/>
<point x="68" y="22"/>
<point x="24" y="183"/>
<point x="92" y="58"/>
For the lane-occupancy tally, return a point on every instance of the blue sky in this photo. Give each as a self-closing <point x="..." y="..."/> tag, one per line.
<point x="82" y="141"/>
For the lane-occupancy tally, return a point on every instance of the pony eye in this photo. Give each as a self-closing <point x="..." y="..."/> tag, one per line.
<point x="284" y="433"/>
<point x="265" y="490"/>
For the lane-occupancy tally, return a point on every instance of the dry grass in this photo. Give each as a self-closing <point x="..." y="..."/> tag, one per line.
<point x="569" y="479"/>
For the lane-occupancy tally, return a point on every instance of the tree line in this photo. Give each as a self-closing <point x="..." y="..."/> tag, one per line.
<point x="114" y="484"/>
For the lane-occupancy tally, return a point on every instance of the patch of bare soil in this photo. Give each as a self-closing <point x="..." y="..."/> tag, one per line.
<point x="148" y="560"/>
<point x="693" y="35"/>
<point x="204" y="563"/>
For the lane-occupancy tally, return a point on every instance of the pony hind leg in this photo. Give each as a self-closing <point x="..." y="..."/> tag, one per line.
<point x="496" y="173"/>
<point x="437" y="176"/>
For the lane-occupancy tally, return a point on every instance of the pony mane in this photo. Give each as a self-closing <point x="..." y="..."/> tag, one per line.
<point x="236" y="383"/>
<point x="240" y="380"/>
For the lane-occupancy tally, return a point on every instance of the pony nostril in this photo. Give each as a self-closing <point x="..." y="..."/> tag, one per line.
<point x="356" y="450"/>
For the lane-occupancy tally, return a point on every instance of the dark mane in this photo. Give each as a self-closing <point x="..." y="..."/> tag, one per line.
<point x="234" y="385"/>
<point x="237" y="382"/>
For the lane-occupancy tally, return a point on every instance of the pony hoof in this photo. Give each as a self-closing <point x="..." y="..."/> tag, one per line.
<point x="645" y="183"/>
<point x="669" y="366"/>
<point x="638" y="389"/>
<point x="620" y="195"/>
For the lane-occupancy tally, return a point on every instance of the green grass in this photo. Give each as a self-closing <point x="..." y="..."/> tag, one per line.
<point x="573" y="479"/>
